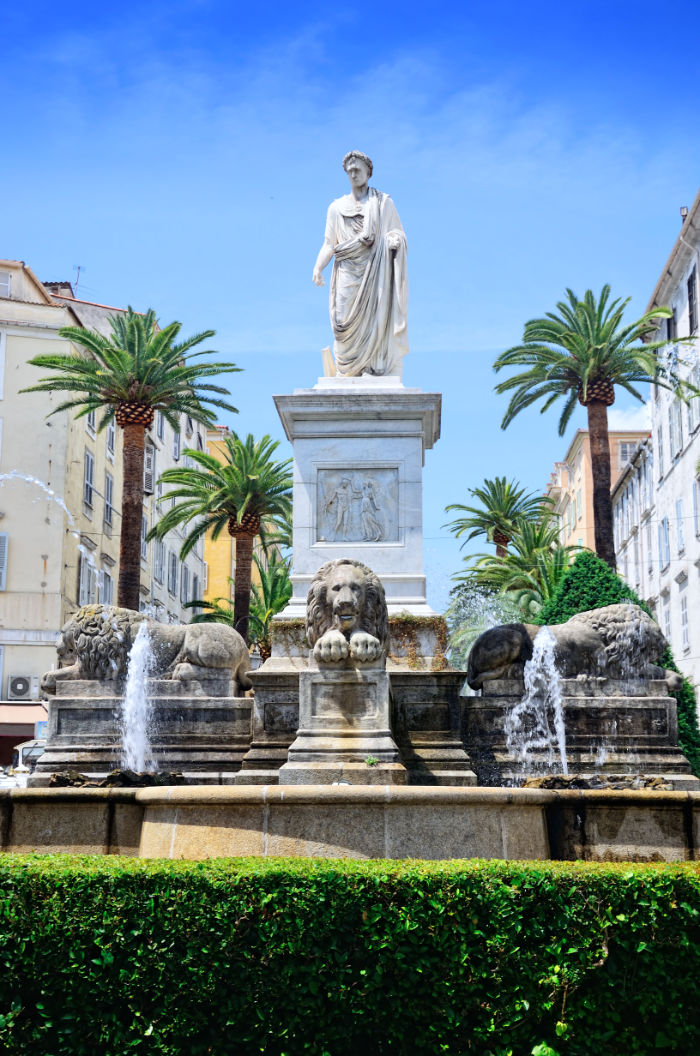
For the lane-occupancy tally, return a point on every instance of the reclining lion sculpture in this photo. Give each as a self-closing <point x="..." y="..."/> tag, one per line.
<point x="96" y="641"/>
<point x="346" y="613"/>
<point x="615" y="641"/>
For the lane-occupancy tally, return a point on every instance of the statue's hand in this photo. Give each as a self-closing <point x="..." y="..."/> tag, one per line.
<point x="318" y="278"/>
<point x="332" y="647"/>
<point x="364" y="646"/>
<point x="393" y="240"/>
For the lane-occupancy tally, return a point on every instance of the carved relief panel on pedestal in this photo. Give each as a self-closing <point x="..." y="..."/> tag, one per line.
<point x="357" y="505"/>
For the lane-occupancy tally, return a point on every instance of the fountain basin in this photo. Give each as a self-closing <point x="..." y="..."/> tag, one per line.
<point x="322" y="821"/>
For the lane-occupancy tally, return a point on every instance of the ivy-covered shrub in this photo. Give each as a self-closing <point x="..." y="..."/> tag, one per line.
<point x="335" y="958"/>
<point x="590" y="583"/>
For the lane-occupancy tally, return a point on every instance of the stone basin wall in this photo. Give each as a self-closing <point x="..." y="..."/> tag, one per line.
<point x="353" y="821"/>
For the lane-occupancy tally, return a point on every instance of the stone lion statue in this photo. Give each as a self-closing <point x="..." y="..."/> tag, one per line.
<point x="94" y="644"/>
<point x="616" y="641"/>
<point x="346" y="614"/>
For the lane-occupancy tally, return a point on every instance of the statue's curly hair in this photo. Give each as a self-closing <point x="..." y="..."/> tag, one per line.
<point x="361" y="157"/>
<point x="373" y="619"/>
<point x="101" y="637"/>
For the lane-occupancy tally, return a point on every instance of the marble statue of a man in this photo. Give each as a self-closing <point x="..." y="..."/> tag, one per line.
<point x="369" y="284"/>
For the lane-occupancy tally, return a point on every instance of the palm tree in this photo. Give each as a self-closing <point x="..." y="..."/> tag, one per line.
<point x="240" y="493"/>
<point x="581" y="354"/>
<point x="130" y="375"/>
<point x="270" y="596"/>
<point x="502" y="503"/>
<point x="530" y="572"/>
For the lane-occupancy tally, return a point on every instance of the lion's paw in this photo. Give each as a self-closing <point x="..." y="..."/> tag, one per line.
<point x="332" y="647"/>
<point x="364" y="646"/>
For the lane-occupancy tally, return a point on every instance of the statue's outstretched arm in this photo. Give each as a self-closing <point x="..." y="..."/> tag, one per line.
<point x="324" y="257"/>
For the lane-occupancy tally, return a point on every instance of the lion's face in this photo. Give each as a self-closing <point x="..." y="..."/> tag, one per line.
<point x="345" y="596"/>
<point x="65" y="643"/>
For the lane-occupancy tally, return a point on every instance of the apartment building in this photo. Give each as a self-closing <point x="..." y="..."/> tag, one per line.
<point x="657" y="504"/>
<point x="60" y="492"/>
<point x="570" y="485"/>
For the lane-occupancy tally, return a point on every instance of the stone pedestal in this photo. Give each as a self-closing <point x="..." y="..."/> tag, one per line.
<point x="612" y="727"/>
<point x="199" y="728"/>
<point x="344" y="729"/>
<point x="359" y="447"/>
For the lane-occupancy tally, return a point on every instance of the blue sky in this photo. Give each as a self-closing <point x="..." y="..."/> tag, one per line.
<point x="184" y="155"/>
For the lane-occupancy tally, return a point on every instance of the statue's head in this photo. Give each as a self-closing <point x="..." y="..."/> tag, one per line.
<point x="353" y="160"/>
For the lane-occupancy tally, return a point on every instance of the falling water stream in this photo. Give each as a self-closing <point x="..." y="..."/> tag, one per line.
<point x="534" y="728"/>
<point x="137" y="709"/>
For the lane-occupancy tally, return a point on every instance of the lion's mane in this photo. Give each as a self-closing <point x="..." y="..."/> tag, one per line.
<point x="100" y="638"/>
<point x="629" y="637"/>
<point x="373" y="618"/>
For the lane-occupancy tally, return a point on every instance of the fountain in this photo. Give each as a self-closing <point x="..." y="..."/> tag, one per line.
<point x="137" y="708"/>
<point x="535" y="727"/>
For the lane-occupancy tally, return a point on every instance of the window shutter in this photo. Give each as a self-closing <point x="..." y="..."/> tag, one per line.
<point x="3" y="559"/>
<point x="149" y="469"/>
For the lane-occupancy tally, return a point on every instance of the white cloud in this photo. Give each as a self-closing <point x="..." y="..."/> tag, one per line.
<point x="638" y="417"/>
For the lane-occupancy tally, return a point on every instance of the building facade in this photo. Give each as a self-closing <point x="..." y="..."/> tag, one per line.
<point x="60" y="492"/>
<point x="657" y="505"/>
<point x="570" y="484"/>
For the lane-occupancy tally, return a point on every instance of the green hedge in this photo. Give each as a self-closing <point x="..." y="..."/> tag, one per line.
<point x="103" y="957"/>
<point x="590" y="583"/>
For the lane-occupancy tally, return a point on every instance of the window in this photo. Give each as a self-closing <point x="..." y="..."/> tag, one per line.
<point x="692" y="302"/>
<point x="91" y="422"/>
<point x="111" y="439"/>
<point x="694" y="402"/>
<point x="144" y="533"/>
<point x="172" y="572"/>
<point x="184" y="584"/>
<point x="660" y="450"/>
<point x="195" y="590"/>
<point x="5" y="281"/>
<point x="87" y="581"/>
<point x="109" y="498"/>
<point x="650" y="554"/>
<point x="696" y="505"/>
<point x="626" y="451"/>
<point x="664" y="544"/>
<point x="685" y="636"/>
<point x="159" y="560"/>
<point x="160" y="425"/>
<point x="149" y="469"/>
<point x="106" y="588"/>
<point x="3" y="559"/>
<point x="579" y="505"/>
<point x="200" y="442"/>
<point x="675" y="428"/>
<point x="672" y="326"/>
<point x="176" y="446"/>
<point x="680" y="537"/>
<point x="667" y="620"/>
<point x="189" y="426"/>
<point x="88" y="484"/>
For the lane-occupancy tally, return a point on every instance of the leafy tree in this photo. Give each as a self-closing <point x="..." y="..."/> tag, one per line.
<point x="502" y="503"/>
<point x="241" y="493"/>
<point x="270" y="596"/>
<point x="138" y="370"/>
<point x="590" y="584"/>
<point x="471" y="611"/>
<point x="580" y="355"/>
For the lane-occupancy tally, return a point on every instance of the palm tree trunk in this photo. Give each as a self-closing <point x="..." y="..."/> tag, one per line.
<point x="241" y="583"/>
<point x="132" y="515"/>
<point x="600" y="468"/>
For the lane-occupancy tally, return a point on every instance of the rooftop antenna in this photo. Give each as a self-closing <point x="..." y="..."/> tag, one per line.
<point x="684" y="213"/>
<point x="77" y="268"/>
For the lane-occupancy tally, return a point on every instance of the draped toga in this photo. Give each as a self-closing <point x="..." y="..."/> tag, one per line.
<point x="369" y="285"/>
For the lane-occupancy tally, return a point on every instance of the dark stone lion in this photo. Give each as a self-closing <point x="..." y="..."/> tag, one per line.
<point x="615" y="641"/>
<point x="346" y="614"/>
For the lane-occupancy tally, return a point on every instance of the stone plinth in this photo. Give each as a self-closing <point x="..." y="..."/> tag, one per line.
<point x="613" y="727"/>
<point x="199" y="728"/>
<point x="344" y="728"/>
<point x="359" y="446"/>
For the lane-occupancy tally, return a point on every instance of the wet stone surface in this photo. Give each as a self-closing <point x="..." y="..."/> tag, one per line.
<point x="595" y="782"/>
<point x="117" y="779"/>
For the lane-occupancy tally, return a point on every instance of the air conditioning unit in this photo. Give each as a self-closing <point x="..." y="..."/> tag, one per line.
<point x="22" y="687"/>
